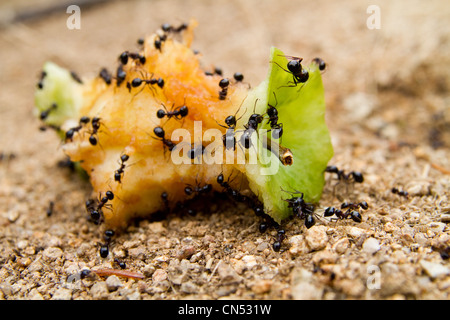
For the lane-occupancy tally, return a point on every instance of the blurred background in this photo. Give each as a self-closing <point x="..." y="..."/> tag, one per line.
<point x="393" y="80"/>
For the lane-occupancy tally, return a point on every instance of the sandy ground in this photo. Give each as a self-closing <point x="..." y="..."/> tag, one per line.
<point x="387" y="93"/>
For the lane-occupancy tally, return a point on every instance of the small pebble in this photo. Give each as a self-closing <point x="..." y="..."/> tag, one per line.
<point x="433" y="269"/>
<point x="262" y="286"/>
<point x="371" y="245"/>
<point x="316" y="238"/>
<point x="62" y="294"/>
<point x="113" y="283"/>
<point x="99" y="290"/>
<point x="52" y="253"/>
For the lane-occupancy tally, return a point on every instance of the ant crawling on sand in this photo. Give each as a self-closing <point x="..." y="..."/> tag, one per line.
<point x="350" y="213"/>
<point x="401" y="193"/>
<point x="355" y="175"/>
<point x="352" y="176"/>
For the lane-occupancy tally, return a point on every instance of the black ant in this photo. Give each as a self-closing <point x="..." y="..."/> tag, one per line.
<point x="351" y="211"/>
<point x="294" y="67"/>
<point x="239" y="77"/>
<point x="234" y="194"/>
<point x="401" y="193"/>
<point x="272" y="112"/>
<point x="160" y="133"/>
<point x="118" y="174"/>
<point x="195" y="152"/>
<point x="96" y="212"/>
<point x="95" y="122"/>
<point x="341" y="175"/>
<point x="108" y="234"/>
<point x="301" y="208"/>
<point x="250" y="127"/>
<point x="320" y="63"/>
<point x="189" y="190"/>
<point x="105" y="75"/>
<point x="280" y="237"/>
<point x="76" y="77"/>
<point x="50" y="208"/>
<point x="104" y="251"/>
<point x="169" y="28"/>
<point x="137" y="82"/>
<point x="120" y="75"/>
<point x="178" y="113"/>
<point x="223" y="84"/>
<point x="352" y="205"/>
<point x="121" y="264"/>
<point x="229" y="139"/>
<point x="71" y="132"/>
<point x="44" y="114"/>
<point x="135" y="56"/>
<point x="40" y="84"/>
<point x="165" y="199"/>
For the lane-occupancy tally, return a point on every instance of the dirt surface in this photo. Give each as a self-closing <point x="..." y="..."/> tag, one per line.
<point x="387" y="94"/>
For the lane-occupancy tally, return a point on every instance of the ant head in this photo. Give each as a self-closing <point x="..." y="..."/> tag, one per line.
<point x="220" y="179"/>
<point x="159" y="132"/>
<point x="160" y="83"/>
<point x="294" y="66"/>
<point x="160" y="113"/>
<point x="329" y="211"/>
<point x="356" y="216"/>
<point x="84" y="119"/>
<point x="136" y="82"/>
<point x="124" y="157"/>
<point x="357" y="176"/>
<point x="230" y="121"/>
<point x="309" y="221"/>
<point x="224" y="83"/>
<point x="93" y="140"/>
<point x="183" y="111"/>
<point x="238" y="76"/>
<point x="109" y="195"/>
<point x="124" y="58"/>
<point x="332" y="169"/>
<point x="364" y="205"/>
<point x="69" y="134"/>
<point x="303" y="76"/>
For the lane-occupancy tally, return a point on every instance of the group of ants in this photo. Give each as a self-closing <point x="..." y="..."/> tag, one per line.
<point x="300" y="208"/>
